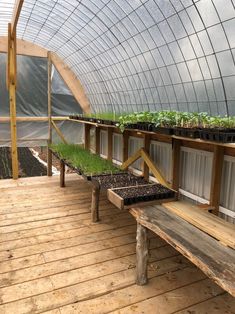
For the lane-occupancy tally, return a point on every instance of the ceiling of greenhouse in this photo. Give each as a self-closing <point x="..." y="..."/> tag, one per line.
<point x="139" y="54"/>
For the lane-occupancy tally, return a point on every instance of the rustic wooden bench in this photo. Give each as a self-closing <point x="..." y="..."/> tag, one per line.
<point x="213" y="254"/>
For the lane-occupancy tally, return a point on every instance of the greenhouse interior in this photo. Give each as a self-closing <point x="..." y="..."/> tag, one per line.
<point x="117" y="156"/>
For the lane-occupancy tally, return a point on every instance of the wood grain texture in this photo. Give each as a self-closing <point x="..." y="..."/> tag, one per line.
<point x="216" y="227"/>
<point x="214" y="259"/>
<point x="53" y="259"/>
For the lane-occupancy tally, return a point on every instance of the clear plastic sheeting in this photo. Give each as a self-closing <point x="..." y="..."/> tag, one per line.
<point x="140" y="54"/>
<point x="31" y="134"/>
<point x="32" y="101"/>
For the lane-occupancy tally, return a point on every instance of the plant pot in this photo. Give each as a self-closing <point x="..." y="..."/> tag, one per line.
<point x="218" y="135"/>
<point x="187" y="132"/>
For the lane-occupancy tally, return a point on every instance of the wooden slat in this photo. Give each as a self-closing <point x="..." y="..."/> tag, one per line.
<point x="16" y="15"/>
<point x="156" y="172"/>
<point x="214" y="259"/>
<point x="97" y="140"/>
<point x="217" y="167"/>
<point x="147" y="149"/>
<point x="125" y="142"/>
<point x="87" y="136"/>
<point x="216" y="227"/>
<point x="131" y="159"/>
<point x="59" y="132"/>
<point x="175" y="163"/>
<point x="110" y="144"/>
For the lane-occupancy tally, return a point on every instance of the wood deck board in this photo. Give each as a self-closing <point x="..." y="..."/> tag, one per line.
<point x="54" y="260"/>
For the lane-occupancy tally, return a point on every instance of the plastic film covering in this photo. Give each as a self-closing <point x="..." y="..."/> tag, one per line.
<point x="32" y="134"/>
<point x="140" y="54"/>
<point x="32" y="102"/>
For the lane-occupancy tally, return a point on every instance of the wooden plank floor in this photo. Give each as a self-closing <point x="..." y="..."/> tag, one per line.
<point x="54" y="260"/>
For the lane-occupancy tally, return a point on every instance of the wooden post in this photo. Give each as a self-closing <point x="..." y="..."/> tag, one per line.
<point x="87" y="136"/>
<point x="141" y="255"/>
<point x="49" y="153"/>
<point x="217" y="168"/>
<point x="125" y="141"/>
<point x="62" y="174"/>
<point x="110" y="144"/>
<point x="95" y="203"/>
<point x="97" y="140"/>
<point x="147" y="149"/>
<point x="176" y="144"/>
<point x="12" y="96"/>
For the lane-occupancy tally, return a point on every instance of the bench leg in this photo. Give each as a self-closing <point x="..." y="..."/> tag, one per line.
<point x="95" y="203"/>
<point x="62" y="174"/>
<point x="141" y="255"/>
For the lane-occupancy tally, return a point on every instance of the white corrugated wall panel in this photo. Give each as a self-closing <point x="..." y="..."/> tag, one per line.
<point x="103" y="143"/>
<point x="135" y="144"/>
<point x="117" y="148"/>
<point x="196" y="171"/>
<point x="161" y="155"/>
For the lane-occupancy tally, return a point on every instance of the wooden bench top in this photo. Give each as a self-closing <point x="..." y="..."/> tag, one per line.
<point x="217" y="261"/>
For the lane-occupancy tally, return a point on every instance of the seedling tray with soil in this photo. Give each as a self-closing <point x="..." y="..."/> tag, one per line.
<point x="218" y="135"/>
<point x="187" y="132"/>
<point x="141" y="195"/>
<point x="83" y="161"/>
<point x="118" y="180"/>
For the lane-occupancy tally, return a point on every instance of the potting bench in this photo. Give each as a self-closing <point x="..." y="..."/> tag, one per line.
<point x="206" y="240"/>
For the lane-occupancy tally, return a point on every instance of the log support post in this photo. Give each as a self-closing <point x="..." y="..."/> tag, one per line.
<point x="125" y="141"/>
<point x="87" y="136"/>
<point x="110" y="144"/>
<point x="217" y="168"/>
<point x="176" y="144"/>
<point x="141" y="255"/>
<point x="147" y="149"/>
<point x="49" y="153"/>
<point x="97" y="140"/>
<point x="95" y="202"/>
<point x="62" y="174"/>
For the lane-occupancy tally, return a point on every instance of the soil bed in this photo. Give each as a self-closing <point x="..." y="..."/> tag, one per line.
<point x="144" y="193"/>
<point x="118" y="180"/>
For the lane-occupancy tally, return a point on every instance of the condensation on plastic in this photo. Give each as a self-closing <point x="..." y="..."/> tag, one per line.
<point x="139" y="55"/>
<point x="32" y="101"/>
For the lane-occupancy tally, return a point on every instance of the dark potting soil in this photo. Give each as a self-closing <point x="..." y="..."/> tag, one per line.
<point x="118" y="180"/>
<point x="29" y="165"/>
<point x="145" y="193"/>
<point x="5" y="163"/>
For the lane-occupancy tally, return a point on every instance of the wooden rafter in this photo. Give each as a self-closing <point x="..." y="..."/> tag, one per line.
<point x="72" y="82"/>
<point x="24" y="48"/>
<point x="16" y="15"/>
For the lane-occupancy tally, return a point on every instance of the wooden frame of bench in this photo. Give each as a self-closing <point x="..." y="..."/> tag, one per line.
<point x="216" y="260"/>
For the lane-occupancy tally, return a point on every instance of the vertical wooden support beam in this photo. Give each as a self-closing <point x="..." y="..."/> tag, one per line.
<point x="87" y="136"/>
<point x="62" y="174"/>
<point x="217" y="168"/>
<point x="176" y="144"/>
<point x="110" y="144"/>
<point x="95" y="202"/>
<point x="97" y="140"/>
<point x="12" y="97"/>
<point x="141" y="255"/>
<point x="49" y="153"/>
<point x="147" y="149"/>
<point x="125" y="141"/>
